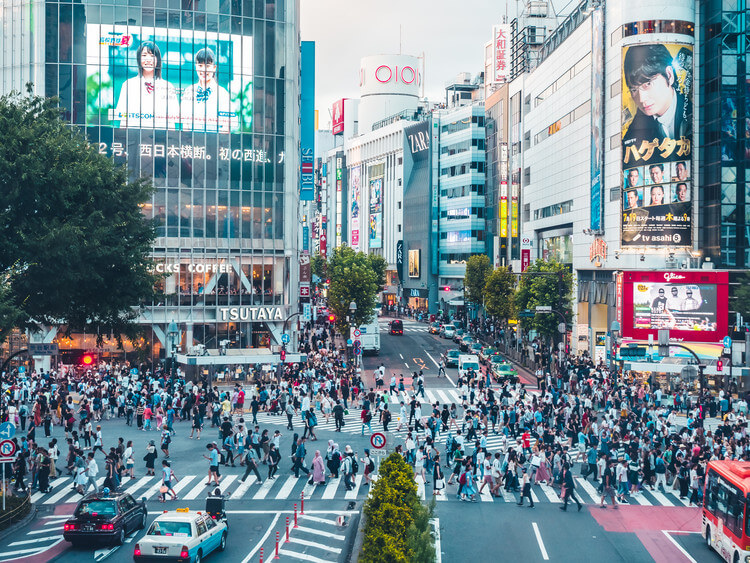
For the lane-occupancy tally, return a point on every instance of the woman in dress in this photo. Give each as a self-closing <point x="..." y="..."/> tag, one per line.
<point x="147" y="100"/>
<point x="318" y="469"/>
<point x="542" y="472"/>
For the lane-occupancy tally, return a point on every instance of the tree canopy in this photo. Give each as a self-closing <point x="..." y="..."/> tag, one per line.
<point x="478" y="268"/>
<point x="358" y="277"/>
<point x="498" y="293"/>
<point x="70" y="222"/>
<point x="551" y="286"/>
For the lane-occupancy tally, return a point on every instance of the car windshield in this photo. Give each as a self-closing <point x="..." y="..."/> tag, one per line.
<point x="506" y="367"/>
<point x="167" y="528"/>
<point x="497" y="360"/>
<point x="96" y="508"/>
<point x="453" y="353"/>
<point x="449" y="327"/>
<point x="471" y="365"/>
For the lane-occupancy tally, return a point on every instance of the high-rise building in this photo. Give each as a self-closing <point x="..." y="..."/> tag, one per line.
<point x="202" y="98"/>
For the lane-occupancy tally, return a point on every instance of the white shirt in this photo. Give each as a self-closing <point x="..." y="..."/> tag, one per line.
<point x="208" y="109"/>
<point x="147" y="103"/>
<point x="667" y="120"/>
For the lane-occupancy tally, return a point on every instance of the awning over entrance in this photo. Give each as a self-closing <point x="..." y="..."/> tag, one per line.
<point x="248" y="356"/>
<point x="456" y="302"/>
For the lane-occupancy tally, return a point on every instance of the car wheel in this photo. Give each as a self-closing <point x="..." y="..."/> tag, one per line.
<point x="121" y="536"/>
<point x="198" y="557"/>
<point x="223" y="542"/>
<point x="708" y="537"/>
<point x="736" y="558"/>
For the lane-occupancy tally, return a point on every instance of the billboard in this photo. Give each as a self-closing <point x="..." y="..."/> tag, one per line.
<point x="657" y="136"/>
<point x="307" y="121"/>
<point x="168" y="79"/>
<point x="692" y="305"/>
<point x="597" y="116"/>
<point x="501" y="52"/>
<point x="355" y="187"/>
<point x="414" y="259"/>
<point x="337" y="118"/>
<point x="376" y="211"/>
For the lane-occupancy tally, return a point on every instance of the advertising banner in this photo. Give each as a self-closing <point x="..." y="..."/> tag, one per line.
<point x="376" y="229"/>
<point x="376" y="212"/>
<point x="307" y="121"/>
<point x="657" y="136"/>
<point x="692" y="305"/>
<point x="168" y="79"/>
<point x="414" y="259"/>
<point x="400" y="260"/>
<point x="501" y="52"/>
<point x="354" y="189"/>
<point x="597" y="116"/>
<point x="337" y="120"/>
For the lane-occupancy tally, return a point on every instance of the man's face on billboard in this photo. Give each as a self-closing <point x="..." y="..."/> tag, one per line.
<point x="633" y="177"/>
<point x="633" y="199"/>
<point x="657" y="174"/>
<point x="205" y="72"/>
<point x="654" y="96"/>
<point x="682" y="171"/>
<point x="681" y="192"/>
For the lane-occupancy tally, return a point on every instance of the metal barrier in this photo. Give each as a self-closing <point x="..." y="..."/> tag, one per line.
<point x="16" y="514"/>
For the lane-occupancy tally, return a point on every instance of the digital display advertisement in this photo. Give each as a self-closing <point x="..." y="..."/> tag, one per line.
<point x="376" y="211"/>
<point x="355" y="187"/>
<point x="168" y="79"/>
<point x="414" y="260"/>
<point x="657" y="136"/>
<point x="692" y="305"/>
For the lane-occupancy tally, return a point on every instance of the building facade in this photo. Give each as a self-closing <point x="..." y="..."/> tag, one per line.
<point x="201" y="98"/>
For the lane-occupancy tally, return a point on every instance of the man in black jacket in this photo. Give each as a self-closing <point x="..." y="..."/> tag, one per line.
<point x="569" y="487"/>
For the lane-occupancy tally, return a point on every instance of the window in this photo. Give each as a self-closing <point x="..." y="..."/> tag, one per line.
<point x="201" y="527"/>
<point x="615" y="89"/>
<point x="614" y="194"/>
<point x="399" y="204"/>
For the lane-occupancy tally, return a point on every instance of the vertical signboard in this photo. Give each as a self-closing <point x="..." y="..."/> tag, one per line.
<point x="400" y="260"/>
<point x="435" y="205"/>
<point x="501" y="52"/>
<point x="307" y="124"/>
<point x="354" y="191"/>
<point x="337" y="118"/>
<point x="323" y="237"/>
<point x="503" y="209"/>
<point x="525" y="253"/>
<point x="375" y="231"/>
<point x="597" y="116"/>
<point x="657" y="136"/>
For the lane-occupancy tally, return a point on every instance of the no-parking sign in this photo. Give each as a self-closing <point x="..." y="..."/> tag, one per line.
<point x="7" y="451"/>
<point x="377" y="440"/>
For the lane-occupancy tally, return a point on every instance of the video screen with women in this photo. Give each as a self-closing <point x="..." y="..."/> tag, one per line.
<point x="674" y="306"/>
<point x="168" y="79"/>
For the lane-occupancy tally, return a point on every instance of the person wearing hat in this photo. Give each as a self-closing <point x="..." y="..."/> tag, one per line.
<point x="347" y="468"/>
<point x="526" y="488"/>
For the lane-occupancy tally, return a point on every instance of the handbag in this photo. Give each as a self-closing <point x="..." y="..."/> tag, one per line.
<point x="163" y="489"/>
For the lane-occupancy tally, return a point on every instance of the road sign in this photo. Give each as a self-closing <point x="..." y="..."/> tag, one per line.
<point x="349" y="341"/>
<point x="7" y="430"/>
<point x="727" y="342"/>
<point x="8" y="448"/>
<point x="357" y="333"/>
<point x="378" y="440"/>
<point x="544" y="308"/>
<point x="43" y="349"/>
<point x="527" y="313"/>
<point x="375" y="453"/>
<point x="357" y="350"/>
<point x="561" y="328"/>
<point x="285" y="338"/>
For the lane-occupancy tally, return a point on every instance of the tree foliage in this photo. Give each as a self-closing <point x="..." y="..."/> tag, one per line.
<point x="355" y="276"/>
<point x="319" y="267"/>
<point x="478" y="268"/>
<point x="499" y="291"/>
<point x="397" y="528"/>
<point x="71" y="221"/>
<point x="552" y="286"/>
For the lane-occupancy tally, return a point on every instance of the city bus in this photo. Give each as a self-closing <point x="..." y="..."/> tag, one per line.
<point x="726" y="510"/>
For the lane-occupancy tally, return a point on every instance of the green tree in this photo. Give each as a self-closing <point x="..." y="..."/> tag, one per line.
<point x="71" y="221"/>
<point x="552" y="286"/>
<point x="499" y="292"/>
<point x="319" y="267"/>
<point x="353" y="278"/>
<point x="478" y="268"/>
<point x="379" y="266"/>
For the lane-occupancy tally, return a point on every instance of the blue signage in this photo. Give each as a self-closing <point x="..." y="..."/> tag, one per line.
<point x="727" y="342"/>
<point x="307" y="118"/>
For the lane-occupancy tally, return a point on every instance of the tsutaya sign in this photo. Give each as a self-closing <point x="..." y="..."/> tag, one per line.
<point x="251" y="314"/>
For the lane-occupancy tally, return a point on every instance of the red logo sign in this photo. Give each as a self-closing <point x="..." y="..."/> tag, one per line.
<point x="337" y="122"/>
<point x="304" y="290"/>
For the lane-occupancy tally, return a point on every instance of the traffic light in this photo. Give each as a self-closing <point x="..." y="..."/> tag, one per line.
<point x="331" y="318"/>
<point x="719" y="365"/>
<point x="282" y="355"/>
<point x="87" y="360"/>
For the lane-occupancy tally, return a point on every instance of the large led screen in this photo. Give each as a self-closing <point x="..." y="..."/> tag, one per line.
<point x="168" y="79"/>
<point x="674" y="306"/>
<point x="657" y="136"/>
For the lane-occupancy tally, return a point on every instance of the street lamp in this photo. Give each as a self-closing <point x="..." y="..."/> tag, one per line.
<point x="172" y="333"/>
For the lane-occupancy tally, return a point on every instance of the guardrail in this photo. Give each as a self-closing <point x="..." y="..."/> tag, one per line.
<point x="16" y="514"/>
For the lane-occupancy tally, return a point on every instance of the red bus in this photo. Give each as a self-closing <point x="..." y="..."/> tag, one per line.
<point x="726" y="510"/>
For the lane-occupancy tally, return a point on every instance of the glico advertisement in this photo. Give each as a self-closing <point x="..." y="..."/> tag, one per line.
<point x="657" y="137"/>
<point x="692" y="305"/>
<point x="168" y="79"/>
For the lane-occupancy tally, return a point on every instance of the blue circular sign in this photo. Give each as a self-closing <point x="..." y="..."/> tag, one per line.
<point x="285" y="338"/>
<point x="727" y="342"/>
<point x="7" y="430"/>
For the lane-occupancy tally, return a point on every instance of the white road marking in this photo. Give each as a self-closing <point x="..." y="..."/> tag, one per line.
<point x="331" y="488"/>
<point x="138" y="484"/>
<point x="420" y="486"/>
<point x="539" y="541"/>
<point x="198" y="489"/>
<point x="264" y="489"/>
<point x="257" y="547"/>
<point x="437" y="365"/>
<point x="353" y="493"/>
<point x="316" y="545"/>
<point x="320" y="533"/>
<point x="242" y="489"/>
<point x="678" y="546"/>
<point x="35" y="540"/>
<point x="662" y="498"/>
<point x="318" y="519"/>
<point x="550" y="493"/>
<point x="589" y="488"/>
<point x="287" y="487"/>
<point x="302" y="556"/>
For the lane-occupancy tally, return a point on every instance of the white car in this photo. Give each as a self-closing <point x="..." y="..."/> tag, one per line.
<point x="182" y="535"/>
<point x="449" y="331"/>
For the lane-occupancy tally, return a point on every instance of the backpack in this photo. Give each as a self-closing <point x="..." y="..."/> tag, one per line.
<point x="371" y="466"/>
<point x="462" y="478"/>
<point x="355" y="466"/>
<point x="368" y="417"/>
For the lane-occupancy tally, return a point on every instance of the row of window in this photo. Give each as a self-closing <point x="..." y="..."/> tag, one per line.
<point x="463" y="146"/>
<point x="462" y="236"/>
<point x="567" y="119"/>
<point x="727" y="503"/>
<point x="477" y="120"/>
<point x="462" y="191"/>
<point x="577" y="68"/>
<point x="462" y="169"/>
<point x="554" y="209"/>
<point x="463" y="213"/>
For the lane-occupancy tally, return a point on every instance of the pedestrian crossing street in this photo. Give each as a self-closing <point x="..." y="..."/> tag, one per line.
<point x="353" y="423"/>
<point x="585" y="490"/>
<point x="191" y="487"/>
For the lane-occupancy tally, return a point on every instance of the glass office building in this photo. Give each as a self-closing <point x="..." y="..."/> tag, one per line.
<point x="202" y="97"/>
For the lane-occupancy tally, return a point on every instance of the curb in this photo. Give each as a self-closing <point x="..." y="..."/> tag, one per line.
<point x="359" y="539"/>
<point x="20" y="524"/>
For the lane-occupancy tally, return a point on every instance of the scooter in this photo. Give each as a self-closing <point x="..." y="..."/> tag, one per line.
<point x="215" y="506"/>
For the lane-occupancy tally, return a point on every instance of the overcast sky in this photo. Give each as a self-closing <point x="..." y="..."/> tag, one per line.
<point x="451" y="34"/>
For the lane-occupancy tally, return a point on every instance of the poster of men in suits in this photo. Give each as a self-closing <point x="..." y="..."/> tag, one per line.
<point x="657" y="136"/>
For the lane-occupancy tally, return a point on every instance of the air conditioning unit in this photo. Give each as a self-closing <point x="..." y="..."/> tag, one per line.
<point x="197" y="350"/>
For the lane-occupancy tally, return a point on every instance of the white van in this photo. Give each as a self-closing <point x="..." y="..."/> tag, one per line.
<point x="370" y="337"/>
<point x="467" y="362"/>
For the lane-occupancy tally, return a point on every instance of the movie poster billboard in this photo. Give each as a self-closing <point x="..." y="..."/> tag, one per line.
<point x="597" y="116"/>
<point x="168" y="79"/>
<point x="355" y="188"/>
<point x="376" y="212"/>
<point x="657" y="137"/>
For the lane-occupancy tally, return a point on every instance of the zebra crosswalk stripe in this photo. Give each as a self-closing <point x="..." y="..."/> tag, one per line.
<point x="264" y="489"/>
<point x="240" y="491"/>
<point x="331" y="488"/>
<point x="353" y="493"/>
